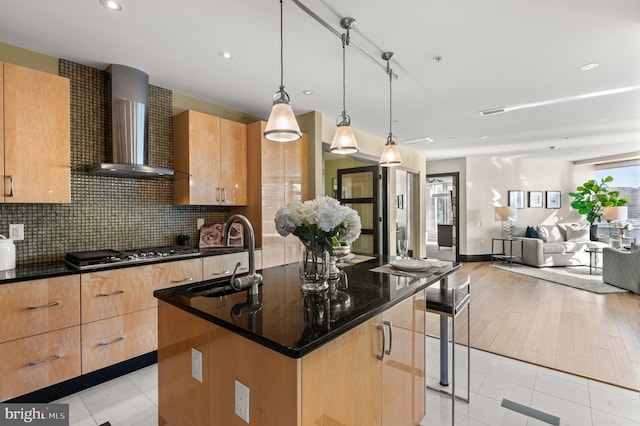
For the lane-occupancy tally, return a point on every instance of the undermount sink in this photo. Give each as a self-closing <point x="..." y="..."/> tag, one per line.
<point x="212" y="288"/>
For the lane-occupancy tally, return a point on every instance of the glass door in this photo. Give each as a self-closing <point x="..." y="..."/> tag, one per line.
<point x="359" y="188"/>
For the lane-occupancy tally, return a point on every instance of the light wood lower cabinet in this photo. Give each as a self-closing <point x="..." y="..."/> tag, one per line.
<point x="39" y="361"/>
<point x="341" y="383"/>
<point x="109" y="341"/>
<point x="224" y="264"/>
<point x="35" y="307"/>
<point x="176" y="273"/>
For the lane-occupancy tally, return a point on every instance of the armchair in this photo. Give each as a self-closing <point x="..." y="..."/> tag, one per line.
<point x="621" y="268"/>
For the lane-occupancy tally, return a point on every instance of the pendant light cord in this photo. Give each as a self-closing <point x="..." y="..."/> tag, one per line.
<point x="281" y="50"/>
<point x="390" y="73"/>
<point x="345" y="41"/>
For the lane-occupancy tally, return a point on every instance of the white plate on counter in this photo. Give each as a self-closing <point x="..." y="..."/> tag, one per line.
<point x="410" y="265"/>
<point x="416" y="265"/>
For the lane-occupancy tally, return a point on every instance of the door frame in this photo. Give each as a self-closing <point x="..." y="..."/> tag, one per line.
<point x="456" y="209"/>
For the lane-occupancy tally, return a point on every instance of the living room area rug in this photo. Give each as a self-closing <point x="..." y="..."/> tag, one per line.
<point x="572" y="276"/>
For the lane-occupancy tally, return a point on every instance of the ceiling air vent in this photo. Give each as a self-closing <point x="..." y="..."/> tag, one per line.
<point x="493" y="111"/>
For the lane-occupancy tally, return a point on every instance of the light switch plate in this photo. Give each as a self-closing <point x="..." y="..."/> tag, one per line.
<point x="196" y="364"/>
<point x="199" y="223"/>
<point x="16" y="231"/>
<point x="242" y="401"/>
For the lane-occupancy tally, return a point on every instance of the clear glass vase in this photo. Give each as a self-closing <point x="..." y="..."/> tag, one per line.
<point x="314" y="270"/>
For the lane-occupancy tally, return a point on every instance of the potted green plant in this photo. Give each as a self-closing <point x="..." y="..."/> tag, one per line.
<point x="183" y="239"/>
<point x="591" y="197"/>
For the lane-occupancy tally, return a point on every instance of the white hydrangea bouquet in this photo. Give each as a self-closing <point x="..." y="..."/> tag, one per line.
<point x="318" y="223"/>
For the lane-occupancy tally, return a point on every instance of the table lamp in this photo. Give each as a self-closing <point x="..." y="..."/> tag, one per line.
<point x="618" y="214"/>
<point x="506" y="215"/>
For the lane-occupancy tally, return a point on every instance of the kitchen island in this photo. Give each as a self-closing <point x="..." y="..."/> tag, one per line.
<point x="345" y="357"/>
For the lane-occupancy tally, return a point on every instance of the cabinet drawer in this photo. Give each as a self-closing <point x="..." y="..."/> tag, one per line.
<point x="112" y="340"/>
<point x="39" y="361"/>
<point x="107" y="294"/>
<point x="35" y="307"/>
<point x="224" y="264"/>
<point x="176" y="273"/>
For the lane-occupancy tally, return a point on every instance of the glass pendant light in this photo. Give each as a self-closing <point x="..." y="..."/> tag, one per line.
<point x="282" y="125"/>
<point x="344" y="142"/>
<point x="390" y="154"/>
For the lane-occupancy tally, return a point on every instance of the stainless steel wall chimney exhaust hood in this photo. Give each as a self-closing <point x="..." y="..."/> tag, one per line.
<point x="129" y="118"/>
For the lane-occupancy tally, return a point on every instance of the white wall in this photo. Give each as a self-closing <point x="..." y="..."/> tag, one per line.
<point x="485" y="182"/>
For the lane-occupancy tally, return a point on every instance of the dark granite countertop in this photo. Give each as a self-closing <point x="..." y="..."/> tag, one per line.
<point x="36" y="271"/>
<point x="284" y="319"/>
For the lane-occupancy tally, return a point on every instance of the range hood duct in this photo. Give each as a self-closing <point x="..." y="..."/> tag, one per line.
<point x="129" y="118"/>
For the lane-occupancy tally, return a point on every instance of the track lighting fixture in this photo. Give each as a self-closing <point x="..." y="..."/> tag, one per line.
<point x="390" y="155"/>
<point x="282" y="125"/>
<point x="344" y="141"/>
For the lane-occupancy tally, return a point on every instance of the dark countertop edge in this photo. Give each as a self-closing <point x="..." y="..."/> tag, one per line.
<point x="287" y="350"/>
<point x="52" y="269"/>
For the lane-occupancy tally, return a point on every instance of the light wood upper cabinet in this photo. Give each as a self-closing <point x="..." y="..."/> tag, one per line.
<point x="210" y="158"/>
<point x="36" y="142"/>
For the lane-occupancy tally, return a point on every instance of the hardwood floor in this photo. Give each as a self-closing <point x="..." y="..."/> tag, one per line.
<point x="579" y="332"/>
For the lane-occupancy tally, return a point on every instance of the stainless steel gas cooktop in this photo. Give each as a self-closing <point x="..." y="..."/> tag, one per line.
<point x="99" y="258"/>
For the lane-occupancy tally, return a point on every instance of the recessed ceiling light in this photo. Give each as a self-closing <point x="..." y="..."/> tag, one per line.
<point x="226" y="55"/>
<point x="590" y="66"/>
<point x="484" y="137"/>
<point x="111" y="5"/>
<point x="307" y="92"/>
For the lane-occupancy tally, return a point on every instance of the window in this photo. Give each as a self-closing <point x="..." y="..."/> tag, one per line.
<point x="626" y="180"/>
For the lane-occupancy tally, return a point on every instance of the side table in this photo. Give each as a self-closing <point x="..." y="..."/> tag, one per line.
<point x="502" y="255"/>
<point x="593" y="258"/>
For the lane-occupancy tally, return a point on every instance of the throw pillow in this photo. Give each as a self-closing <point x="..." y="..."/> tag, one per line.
<point x="577" y="233"/>
<point x="549" y="233"/>
<point x="518" y="230"/>
<point x="531" y="232"/>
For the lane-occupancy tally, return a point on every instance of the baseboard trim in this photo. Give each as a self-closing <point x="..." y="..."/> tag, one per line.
<point x="475" y="258"/>
<point x="85" y="381"/>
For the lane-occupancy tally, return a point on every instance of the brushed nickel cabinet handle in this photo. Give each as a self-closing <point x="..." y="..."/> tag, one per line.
<point x="388" y="323"/>
<point x="224" y="195"/>
<point x="218" y="194"/>
<point x="37" y="363"/>
<point x="384" y="344"/>
<point x="111" y="294"/>
<point x="182" y="280"/>
<point x="221" y="273"/>
<point x="11" y="186"/>
<point x="118" y="340"/>
<point x="49" y="305"/>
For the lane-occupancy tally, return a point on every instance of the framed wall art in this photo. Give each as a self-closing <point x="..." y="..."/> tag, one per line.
<point x="553" y="199"/>
<point x="516" y="198"/>
<point x="535" y="199"/>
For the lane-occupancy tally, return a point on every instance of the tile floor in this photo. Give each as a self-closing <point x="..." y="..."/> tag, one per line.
<point x="132" y="400"/>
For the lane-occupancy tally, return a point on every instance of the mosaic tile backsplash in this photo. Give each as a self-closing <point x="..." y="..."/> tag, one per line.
<point x="107" y="212"/>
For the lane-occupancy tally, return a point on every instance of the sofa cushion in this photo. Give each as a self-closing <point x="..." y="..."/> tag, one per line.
<point x="554" y="248"/>
<point x="531" y="232"/>
<point x="518" y="230"/>
<point x="577" y="232"/>
<point x="549" y="233"/>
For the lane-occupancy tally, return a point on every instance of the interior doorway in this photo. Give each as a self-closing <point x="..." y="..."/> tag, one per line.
<point x="443" y="212"/>
<point x="359" y="188"/>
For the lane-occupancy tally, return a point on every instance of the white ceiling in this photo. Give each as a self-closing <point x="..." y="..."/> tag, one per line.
<point x="495" y="53"/>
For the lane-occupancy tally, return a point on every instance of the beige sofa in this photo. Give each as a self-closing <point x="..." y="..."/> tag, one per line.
<point x="562" y="244"/>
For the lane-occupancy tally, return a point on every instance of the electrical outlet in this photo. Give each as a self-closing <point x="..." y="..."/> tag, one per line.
<point x="242" y="401"/>
<point x="16" y="231"/>
<point x="199" y="223"/>
<point x="196" y="364"/>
